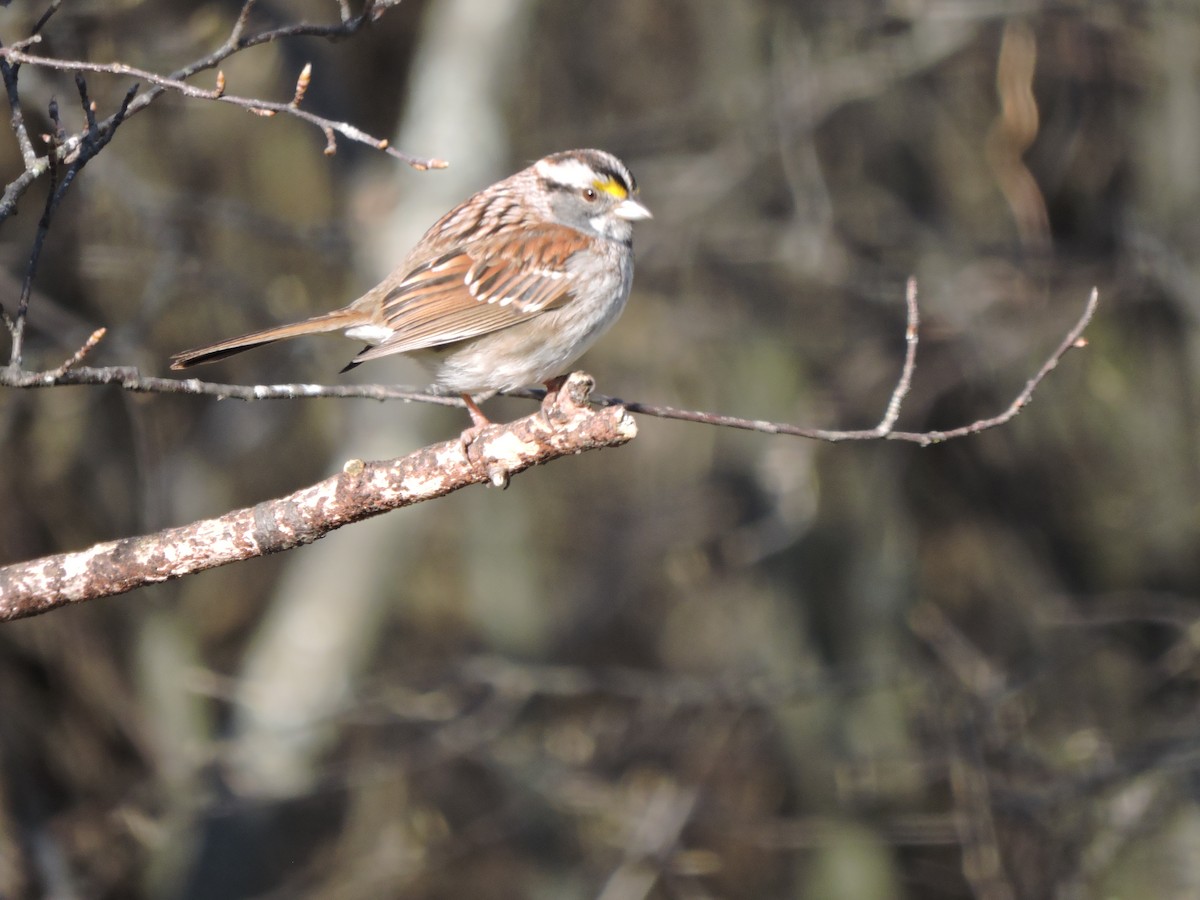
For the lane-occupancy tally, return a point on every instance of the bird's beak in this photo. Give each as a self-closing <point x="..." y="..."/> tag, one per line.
<point x="631" y="210"/>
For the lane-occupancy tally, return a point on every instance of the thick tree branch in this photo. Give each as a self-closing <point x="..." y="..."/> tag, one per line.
<point x="567" y="424"/>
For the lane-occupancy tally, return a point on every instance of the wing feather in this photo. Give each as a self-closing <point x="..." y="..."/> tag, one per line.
<point x="477" y="288"/>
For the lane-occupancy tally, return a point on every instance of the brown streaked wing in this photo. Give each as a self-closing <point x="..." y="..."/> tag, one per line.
<point x="479" y="288"/>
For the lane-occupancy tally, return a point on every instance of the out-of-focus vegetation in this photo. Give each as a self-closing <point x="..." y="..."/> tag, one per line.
<point x="710" y="664"/>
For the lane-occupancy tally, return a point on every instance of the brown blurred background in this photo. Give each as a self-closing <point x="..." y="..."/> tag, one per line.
<point x="709" y="664"/>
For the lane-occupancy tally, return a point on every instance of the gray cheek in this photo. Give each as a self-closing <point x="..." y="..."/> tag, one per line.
<point x="569" y="212"/>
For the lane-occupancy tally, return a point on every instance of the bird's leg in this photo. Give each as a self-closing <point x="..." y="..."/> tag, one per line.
<point x="478" y="421"/>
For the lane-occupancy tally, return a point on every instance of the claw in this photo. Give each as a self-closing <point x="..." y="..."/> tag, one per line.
<point x="553" y="386"/>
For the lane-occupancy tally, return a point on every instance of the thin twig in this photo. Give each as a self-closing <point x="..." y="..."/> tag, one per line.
<point x="17" y="327"/>
<point x="77" y="357"/>
<point x="44" y="18"/>
<point x="239" y="26"/>
<point x="86" y="146"/>
<point x="9" y="71"/>
<point x="130" y="378"/>
<point x="911" y="329"/>
<point x="218" y="94"/>
<point x="239" y="38"/>
<point x="1073" y="340"/>
<point x="35" y="166"/>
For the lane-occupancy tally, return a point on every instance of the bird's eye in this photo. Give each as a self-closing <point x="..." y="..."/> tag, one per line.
<point x="590" y="195"/>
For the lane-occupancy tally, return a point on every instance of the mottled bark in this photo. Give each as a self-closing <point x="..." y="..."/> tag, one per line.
<point x="566" y="425"/>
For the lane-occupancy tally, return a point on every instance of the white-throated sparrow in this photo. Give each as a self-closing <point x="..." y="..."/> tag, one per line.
<point x="507" y="289"/>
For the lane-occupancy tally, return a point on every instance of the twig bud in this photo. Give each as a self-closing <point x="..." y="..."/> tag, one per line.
<point x="302" y="84"/>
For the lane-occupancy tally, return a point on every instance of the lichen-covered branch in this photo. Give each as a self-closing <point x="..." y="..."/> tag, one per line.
<point x="566" y="424"/>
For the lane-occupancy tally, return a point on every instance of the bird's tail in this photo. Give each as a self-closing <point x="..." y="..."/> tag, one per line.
<point x="338" y="320"/>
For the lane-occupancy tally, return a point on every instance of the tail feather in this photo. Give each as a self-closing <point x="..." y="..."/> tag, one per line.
<point x="337" y="320"/>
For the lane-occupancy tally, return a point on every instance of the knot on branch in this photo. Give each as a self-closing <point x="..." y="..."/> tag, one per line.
<point x="566" y="423"/>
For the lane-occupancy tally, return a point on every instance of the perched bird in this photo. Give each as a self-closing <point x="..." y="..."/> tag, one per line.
<point x="507" y="289"/>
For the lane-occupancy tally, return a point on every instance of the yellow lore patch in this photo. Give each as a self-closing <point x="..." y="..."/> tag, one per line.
<point x="611" y="186"/>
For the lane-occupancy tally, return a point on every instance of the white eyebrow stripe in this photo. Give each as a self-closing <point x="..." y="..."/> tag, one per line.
<point x="570" y="172"/>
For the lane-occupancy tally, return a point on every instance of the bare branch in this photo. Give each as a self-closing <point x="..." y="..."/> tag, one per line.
<point x="239" y="26"/>
<point x="1073" y="340"/>
<point x="239" y="38"/>
<point x="259" y="107"/>
<point x="44" y="18"/>
<point x="67" y="158"/>
<point x="911" y="328"/>
<point x="566" y="425"/>
<point x="17" y="115"/>
<point x="130" y="378"/>
<point x="77" y="357"/>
